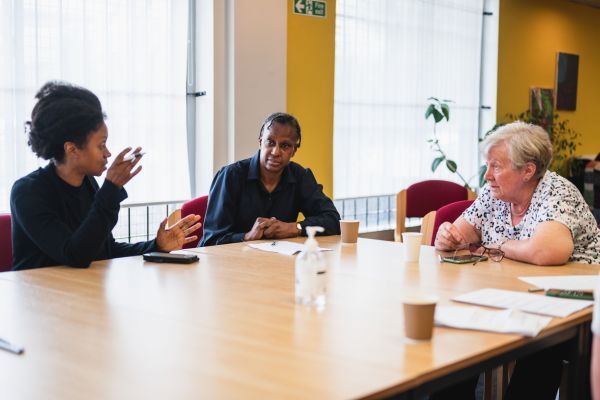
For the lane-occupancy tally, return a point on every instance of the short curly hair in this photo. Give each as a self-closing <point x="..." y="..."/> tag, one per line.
<point x="63" y="113"/>
<point x="283" y="119"/>
<point x="525" y="143"/>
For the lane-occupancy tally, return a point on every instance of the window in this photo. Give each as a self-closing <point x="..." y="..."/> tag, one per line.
<point x="132" y="54"/>
<point x="391" y="56"/>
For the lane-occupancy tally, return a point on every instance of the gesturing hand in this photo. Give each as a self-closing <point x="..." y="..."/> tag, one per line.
<point x="177" y="235"/>
<point x="119" y="172"/>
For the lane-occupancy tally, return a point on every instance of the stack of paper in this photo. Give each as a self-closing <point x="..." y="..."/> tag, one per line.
<point x="503" y="321"/>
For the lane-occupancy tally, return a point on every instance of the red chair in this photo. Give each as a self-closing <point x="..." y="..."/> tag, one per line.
<point x="198" y="207"/>
<point x="5" y="243"/>
<point x="422" y="197"/>
<point x="448" y="213"/>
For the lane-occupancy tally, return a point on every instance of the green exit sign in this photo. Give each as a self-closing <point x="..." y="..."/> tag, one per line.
<point x="315" y="8"/>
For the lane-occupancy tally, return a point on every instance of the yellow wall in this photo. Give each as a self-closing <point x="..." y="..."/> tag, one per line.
<point x="531" y="33"/>
<point x="310" y="75"/>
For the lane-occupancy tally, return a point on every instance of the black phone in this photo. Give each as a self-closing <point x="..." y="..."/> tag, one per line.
<point x="463" y="259"/>
<point x="170" y="258"/>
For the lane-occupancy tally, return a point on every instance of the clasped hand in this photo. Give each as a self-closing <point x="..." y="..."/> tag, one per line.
<point x="271" y="228"/>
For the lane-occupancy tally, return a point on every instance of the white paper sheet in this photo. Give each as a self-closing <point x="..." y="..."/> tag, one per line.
<point x="565" y="282"/>
<point x="282" y="247"/>
<point x="502" y="321"/>
<point x="529" y="302"/>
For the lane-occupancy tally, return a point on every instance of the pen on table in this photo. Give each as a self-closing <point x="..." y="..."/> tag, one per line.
<point x="535" y="289"/>
<point x="133" y="156"/>
<point x="5" y="345"/>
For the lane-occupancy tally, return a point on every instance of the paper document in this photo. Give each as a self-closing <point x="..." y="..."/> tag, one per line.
<point x="282" y="247"/>
<point x="564" y="282"/>
<point x="529" y="302"/>
<point x="503" y="321"/>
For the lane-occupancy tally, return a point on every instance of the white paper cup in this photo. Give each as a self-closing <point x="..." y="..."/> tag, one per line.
<point x="412" y="245"/>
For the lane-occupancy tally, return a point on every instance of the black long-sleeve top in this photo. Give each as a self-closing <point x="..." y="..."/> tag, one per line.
<point x="54" y="223"/>
<point x="237" y="197"/>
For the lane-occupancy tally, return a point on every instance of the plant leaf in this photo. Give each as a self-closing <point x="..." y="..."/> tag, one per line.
<point x="451" y="165"/>
<point x="446" y="111"/>
<point x="437" y="115"/>
<point x="436" y="163"/>
<point x="429" y="110"/>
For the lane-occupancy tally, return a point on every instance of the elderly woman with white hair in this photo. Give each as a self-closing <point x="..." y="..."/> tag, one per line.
<point x="525" y="211"/>
<point x="529" y="214"/>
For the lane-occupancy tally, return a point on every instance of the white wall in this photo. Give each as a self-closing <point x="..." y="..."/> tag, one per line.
<point x="260" y="69"/>
<point x="245" y="83"/>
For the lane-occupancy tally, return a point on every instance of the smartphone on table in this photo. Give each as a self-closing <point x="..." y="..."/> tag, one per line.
<point x="463" y="259"/>
<point x="170" y="258"/>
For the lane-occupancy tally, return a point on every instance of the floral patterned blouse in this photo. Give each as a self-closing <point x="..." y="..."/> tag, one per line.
<point x="554" y="199"/>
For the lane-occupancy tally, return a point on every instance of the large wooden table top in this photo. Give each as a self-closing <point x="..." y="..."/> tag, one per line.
<point x="228" y="327"/>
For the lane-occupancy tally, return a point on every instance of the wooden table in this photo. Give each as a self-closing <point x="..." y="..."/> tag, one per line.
<point x="228" y="327"/>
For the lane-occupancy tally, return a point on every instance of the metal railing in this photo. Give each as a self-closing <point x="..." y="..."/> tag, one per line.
<point x="140" y="221"/>
<point x="375" y="213"/>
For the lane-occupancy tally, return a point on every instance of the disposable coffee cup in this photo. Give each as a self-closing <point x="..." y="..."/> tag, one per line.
<point x="349" y="228"/>
<point x="419" y="313"/>
<point x="412" y="245"/>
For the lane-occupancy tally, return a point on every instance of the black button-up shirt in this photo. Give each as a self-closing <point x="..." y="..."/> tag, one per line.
<point x="237" y="198"/>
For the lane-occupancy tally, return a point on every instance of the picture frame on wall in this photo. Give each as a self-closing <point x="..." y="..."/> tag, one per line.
<point x="567" y="68"/>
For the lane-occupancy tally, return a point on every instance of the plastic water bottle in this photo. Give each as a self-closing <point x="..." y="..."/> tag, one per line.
<point x="311" y="272"/>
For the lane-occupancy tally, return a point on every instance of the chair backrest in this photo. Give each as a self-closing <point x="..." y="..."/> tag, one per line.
<point x="448" y="213"/>
<point x="422" y="197"/>
<point x="5" y="243"/>
<point x="198" y="207"/>
<point x="427" y="228"/>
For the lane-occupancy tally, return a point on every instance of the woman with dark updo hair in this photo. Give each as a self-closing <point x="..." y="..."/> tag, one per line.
<point x="60" y="216"/>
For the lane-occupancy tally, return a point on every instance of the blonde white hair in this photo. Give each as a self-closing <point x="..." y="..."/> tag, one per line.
<point x="525" y="143"/>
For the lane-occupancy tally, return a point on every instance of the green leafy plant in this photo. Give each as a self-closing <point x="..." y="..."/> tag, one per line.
<point x="440" y="110"/>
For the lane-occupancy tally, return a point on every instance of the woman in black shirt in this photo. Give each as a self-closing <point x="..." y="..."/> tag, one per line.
<point x="60" y="216"/>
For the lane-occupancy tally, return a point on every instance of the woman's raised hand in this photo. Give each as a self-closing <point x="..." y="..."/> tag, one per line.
<point x="122" y="171"/>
